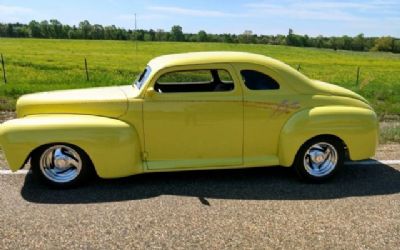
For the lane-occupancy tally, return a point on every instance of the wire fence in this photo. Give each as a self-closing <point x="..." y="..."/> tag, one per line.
<point x="352" y="75"/>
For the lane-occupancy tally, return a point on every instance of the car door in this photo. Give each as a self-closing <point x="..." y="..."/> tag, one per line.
<point x="268" y="104"/>
<point x="190" y="122"/>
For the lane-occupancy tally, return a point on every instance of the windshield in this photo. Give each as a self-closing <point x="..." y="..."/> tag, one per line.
<point x="142" y="78"/>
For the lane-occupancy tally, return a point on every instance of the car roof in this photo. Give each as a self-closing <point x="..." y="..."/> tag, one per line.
<point x="194" y="58"/>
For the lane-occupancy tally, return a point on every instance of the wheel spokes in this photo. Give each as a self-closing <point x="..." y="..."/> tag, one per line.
<point x="60" y="163"/>
<point x="320" y="159"/>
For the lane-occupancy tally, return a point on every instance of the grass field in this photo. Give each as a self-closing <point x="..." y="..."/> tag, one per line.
<point x="36" y="65"/>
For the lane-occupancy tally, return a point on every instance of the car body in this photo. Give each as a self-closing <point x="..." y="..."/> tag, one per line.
<point x="159" y="124"/>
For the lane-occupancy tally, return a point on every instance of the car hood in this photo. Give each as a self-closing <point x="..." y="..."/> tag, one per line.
<point x="331" y="89"/>
<point x="104" y="101"/>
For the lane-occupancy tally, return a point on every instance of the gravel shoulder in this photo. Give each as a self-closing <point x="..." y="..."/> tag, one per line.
<point x="388" y="152"/>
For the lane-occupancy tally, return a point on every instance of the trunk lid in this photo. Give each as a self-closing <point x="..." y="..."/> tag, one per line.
<point x="331" y="89"/>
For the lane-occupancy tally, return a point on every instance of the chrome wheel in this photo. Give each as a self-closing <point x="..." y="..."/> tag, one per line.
<point x="60" y="164"/>
<point x="320" y="159"/>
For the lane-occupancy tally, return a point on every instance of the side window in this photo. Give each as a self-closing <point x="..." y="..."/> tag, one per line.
<point x="255" y="80"/>
<point x="213" y="80"/>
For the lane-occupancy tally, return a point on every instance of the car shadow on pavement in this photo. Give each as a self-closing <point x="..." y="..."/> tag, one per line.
<point x="274" y="183"/>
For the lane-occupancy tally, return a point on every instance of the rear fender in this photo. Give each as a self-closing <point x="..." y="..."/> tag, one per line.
<point x="356" y="127"/>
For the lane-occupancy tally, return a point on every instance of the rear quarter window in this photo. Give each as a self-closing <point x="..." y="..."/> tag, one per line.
<point x="256" y="80"/>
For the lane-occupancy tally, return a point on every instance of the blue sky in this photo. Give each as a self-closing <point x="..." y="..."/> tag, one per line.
<point x="313" y="17"/>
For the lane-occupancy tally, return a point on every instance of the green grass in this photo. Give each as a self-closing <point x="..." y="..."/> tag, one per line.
<point x="36" y="65"/>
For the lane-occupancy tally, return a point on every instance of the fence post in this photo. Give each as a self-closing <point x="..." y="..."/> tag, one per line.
<point x="358" y="75"/>
<point x="4" y="69"/>
<point x="298" y="67"/>
<point x="86" y="69"/>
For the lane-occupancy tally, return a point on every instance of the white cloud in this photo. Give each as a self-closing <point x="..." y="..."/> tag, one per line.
<point x="10" y="13"/>
<point x="325" y="10"/>
<point x="14" y="10"/>
<point x="337" y="5"/>
<point x="299" y="12"/>
<point x="190" y="12"/>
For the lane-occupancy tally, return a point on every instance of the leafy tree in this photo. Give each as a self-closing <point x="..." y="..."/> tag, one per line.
<point x="97" y="32"/>
<point x="110" y="32"/>
<point x="85" y="28"/>
<point x="319" y="42"/>
<point x="55" y="29"/>
<point x="139" y="35"/>
<point x="3" y="30"/>
<point x="34" y="26"/>
<point x="152" y="35"/>
<point x="160" y="35"/>
<point x="247" y="37"/>
<point x="347" y="42"/>
<point x="202" y="36"/>
<point x="74" y="33"/>
<point x="10" y="30"/>
<point x="147" y="37"/>
<point x="358" y="43"/>
<point x="226" y="38"/>
<point x="176" y="33"/>
<point x="296" y="40"/>
<point x="396" y="46"/>
<point x="45" y="29"/>
<point x="383" y="44"/>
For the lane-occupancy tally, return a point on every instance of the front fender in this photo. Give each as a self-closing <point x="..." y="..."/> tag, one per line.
<point x="112" y="145"/>
<point x="356" y="127"/>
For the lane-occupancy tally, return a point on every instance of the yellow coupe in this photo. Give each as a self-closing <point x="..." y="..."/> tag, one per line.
<point x="192" y="111"/>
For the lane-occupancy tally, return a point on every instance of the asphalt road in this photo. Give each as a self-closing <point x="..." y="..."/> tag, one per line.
<point x="253" y="208"/>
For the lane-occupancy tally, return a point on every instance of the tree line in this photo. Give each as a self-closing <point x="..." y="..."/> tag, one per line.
<point x="85" y="30"/>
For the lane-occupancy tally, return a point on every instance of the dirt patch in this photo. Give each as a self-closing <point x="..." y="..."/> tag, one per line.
<point x="388" y="152"/>
<point x="6" y="115"/>
<point x="389" y="131"/>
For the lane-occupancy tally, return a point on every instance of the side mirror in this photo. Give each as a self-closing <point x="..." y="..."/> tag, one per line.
<point x="150" y="92"/>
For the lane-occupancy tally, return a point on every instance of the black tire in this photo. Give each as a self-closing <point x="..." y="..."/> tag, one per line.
<point x="315" y="171"/>
<point x="44" y="174"/>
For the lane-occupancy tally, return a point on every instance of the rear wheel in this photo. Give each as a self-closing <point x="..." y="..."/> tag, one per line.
<point x="319" y="159"/>
<point x="61" y="165"/>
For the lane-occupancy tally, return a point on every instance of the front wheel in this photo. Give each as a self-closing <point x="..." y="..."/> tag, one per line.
<point x="61" y="165"/>
<point x="319" y="159"/>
